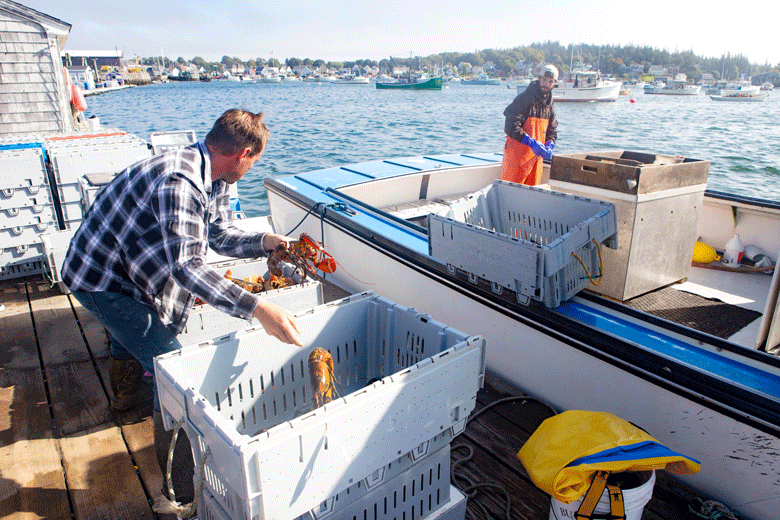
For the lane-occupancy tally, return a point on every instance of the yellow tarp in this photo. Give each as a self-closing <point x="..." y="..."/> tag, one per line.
<point x="566" y="451"/>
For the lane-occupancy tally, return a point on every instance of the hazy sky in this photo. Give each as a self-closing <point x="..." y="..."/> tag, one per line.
<point x="342" y="30"/>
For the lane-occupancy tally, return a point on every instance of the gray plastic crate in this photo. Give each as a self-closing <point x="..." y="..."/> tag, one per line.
<point x="404" y="379"/>
<point x="524" y="239"/>
<point x="454" y="509"/>
<point x="207" y="323"/>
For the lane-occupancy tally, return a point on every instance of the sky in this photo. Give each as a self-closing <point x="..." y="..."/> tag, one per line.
<point x="348" y="30"/>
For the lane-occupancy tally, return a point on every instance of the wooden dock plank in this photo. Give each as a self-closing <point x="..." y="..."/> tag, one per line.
<point x="102" y="479"/>
<point x="78" y="398"/>
<point x="32" y="481"/>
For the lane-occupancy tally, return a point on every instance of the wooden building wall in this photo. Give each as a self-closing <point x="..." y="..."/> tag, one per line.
<point x="33" y="95"/>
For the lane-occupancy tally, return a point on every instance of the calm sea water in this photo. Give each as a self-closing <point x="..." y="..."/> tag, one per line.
<point x="319" y="126"/>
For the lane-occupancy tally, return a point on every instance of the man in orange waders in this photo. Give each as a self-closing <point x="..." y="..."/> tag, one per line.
<point x="530" y="121"/>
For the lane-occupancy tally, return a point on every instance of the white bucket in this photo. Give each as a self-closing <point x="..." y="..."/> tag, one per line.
<point x="634" y="501"/>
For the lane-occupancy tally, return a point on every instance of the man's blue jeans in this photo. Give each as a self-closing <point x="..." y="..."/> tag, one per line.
<point x="135" y="328"/>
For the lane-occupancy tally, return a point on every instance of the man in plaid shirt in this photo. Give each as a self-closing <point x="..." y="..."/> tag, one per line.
<point x="138" y="260"/>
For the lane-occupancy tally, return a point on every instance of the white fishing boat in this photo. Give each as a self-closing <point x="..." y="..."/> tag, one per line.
<point x="585" y="86"/>
<point x="675" y="87"/>
<point x="352" y="80"/>
<point x="733" y="88"/>
<point x="748" y="98"/>
<point x="715" y="398"/>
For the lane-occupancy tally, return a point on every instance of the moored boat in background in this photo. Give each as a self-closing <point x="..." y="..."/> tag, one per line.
<point x="675" y="87"/>
<point x="586" y="86"/>
<point x="481" y="79"/>
<point x="424" y="84"/>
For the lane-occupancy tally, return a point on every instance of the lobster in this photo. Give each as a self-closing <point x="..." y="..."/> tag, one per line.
<point x="321" y="375"/>
<point x="305" y="254"/>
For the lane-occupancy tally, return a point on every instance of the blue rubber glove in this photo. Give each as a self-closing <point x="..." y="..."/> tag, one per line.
<point x="549" y="146"/>
<point x="537" y="147"/>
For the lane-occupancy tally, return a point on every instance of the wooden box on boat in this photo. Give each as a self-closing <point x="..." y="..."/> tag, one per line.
<point x="658" y="201"/>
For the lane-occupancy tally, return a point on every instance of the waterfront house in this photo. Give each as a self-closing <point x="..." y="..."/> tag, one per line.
<point x="105" y="60"/>
<point x="33" y="87"/>
<point x="83" y="76"/>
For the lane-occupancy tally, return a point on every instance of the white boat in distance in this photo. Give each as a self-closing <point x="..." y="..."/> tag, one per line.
<point x="753" y="98"/>
<point x="675" y="87"/>
<point x="352" y="80"/>
<point x="717" y="400"/>
<point x="733" y="88"/>
<point x="585" y="86"/>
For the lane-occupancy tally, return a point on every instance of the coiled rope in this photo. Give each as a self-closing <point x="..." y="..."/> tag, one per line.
<point x="165" y="505"/>
<point x="472" y="488"/>
<point x="712" y="510"/>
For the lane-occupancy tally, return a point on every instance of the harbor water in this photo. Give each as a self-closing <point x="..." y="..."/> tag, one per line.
<point x="317" y="126"/>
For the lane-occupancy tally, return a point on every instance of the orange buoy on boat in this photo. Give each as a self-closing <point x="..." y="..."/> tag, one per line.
<point x="77" y="98"/>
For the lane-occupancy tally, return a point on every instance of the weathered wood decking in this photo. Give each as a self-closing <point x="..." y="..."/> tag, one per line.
<point x="65" y="455"/>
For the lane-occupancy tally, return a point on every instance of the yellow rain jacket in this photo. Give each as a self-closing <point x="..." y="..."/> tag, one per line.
<point x="567" y="450"/>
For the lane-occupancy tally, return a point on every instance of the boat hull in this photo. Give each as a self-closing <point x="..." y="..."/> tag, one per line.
<point x="586" y="95"/>
<point x="430" y="84"/>
<point x="747" y="99"/>
<point x="687" y="91"/>
<point x="560" y="365"/>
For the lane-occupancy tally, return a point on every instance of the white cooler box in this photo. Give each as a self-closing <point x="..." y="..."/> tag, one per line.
<point x="405" y="380"/>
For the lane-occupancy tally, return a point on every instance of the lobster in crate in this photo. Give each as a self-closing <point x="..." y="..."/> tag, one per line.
<point x="305" y="254"/>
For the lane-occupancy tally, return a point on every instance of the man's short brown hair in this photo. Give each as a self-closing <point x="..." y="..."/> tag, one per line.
<point x="237" y="129"/>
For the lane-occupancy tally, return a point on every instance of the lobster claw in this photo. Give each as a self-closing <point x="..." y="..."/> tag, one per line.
<point x="327" y="265"/>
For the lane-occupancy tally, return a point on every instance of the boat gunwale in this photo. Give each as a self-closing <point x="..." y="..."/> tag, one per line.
<point x="760" y="411"/>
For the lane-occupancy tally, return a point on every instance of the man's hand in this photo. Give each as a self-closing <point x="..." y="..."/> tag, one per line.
<point x="549" y="146"/>
<point x="278" y="322"/>
<point x="537" y="147"/>
<point x="271" y="241"/>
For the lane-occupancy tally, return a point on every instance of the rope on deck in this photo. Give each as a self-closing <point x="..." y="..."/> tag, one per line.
<point x="164" y="505"/>
<point x="472" y="488"/>
<point x="712" y="510"/>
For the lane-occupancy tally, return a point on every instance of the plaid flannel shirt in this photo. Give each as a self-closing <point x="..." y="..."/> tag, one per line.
<point x="147" y="233"/>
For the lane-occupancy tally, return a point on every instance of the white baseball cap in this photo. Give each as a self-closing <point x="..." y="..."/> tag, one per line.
<point x="551" y="71"/>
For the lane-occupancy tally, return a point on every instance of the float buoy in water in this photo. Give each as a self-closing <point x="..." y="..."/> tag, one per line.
<point x="632" y="100"/>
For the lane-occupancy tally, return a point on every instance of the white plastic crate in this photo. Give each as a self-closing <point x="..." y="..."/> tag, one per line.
<point x="420" y="492"/>
<point x="421" y="485"/>
<point x="69" y="165"/>
<point x="406" y="378"/>
<point x="206" y="323"/>
<point x="23" y="197"/>
<point x="55" y="246"/>
<point x="27" y="215"/>
<point x="16" y="236"/>
<point x="90" y="185"/>
<point x="8" y="272"/>
<point x="20" y="261"/>
<point x="524" y="239"/>
<point x="164" y="141"/>
<point x="22" y="168"/>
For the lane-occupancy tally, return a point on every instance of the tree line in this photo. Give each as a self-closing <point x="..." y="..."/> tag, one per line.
<point x="610" y="59"/>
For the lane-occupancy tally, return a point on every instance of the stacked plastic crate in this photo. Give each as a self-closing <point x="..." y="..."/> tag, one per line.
<point x="406" y="385"/>
<point x="26" y="206"/>
<point x="74" y="156"/>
